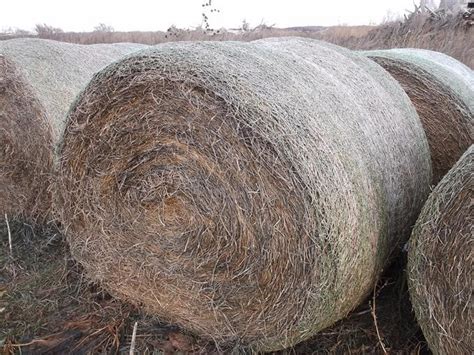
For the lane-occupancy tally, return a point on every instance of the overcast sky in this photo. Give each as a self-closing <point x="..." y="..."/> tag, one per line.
<point x="145" y="15"/>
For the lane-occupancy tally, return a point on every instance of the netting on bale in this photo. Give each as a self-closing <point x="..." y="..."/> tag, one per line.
<point x="39" y="79"/>
<point x="25" y="157"/>
<point x="440" y="262"/>
<point x="442" y="90"/>
<point x="249" y="192"/>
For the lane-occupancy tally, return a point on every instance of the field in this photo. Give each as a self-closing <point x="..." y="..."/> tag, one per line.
<point x="446" y="33"/>
<point x="48" y="307"/>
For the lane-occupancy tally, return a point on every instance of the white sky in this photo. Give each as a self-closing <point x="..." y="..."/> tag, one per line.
<point x="151" y="15"/>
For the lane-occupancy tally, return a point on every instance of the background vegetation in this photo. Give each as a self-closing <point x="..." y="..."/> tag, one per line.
<point x="448" y="29"/>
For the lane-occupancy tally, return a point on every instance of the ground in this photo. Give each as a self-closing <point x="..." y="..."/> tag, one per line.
<point x="47" y="306"/>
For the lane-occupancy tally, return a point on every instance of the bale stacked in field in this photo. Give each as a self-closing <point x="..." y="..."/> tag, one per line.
<point x="39" y="79"/>
<point x="440" y="262"/>
<point x="442" y="90"/>
<point x="249" y="192"/>
<point x="26" y="141"/>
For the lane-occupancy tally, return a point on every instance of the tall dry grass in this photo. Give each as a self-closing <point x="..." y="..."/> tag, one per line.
<point x="173" y="34"/>
<point x="444" y="32"/>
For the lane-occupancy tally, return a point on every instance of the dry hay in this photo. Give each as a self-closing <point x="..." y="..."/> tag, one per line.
<point x="442" y="90"/>
<point x="248" y="192"/>
<point x="440" y="262"/>
<point x="39" y="79"/>
<point x="25" y="162"/>
<point x="64" y="313"/>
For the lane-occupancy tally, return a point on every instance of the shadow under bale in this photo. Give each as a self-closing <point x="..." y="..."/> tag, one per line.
<point x="442" y="90"/>
<point x="441" y="261"/>
<point x="248" y="192"/>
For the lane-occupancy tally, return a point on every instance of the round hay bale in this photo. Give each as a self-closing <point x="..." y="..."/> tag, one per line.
<point x="442" y="90"/>
<point x="25" y="154"/>
<point x="247" y="192"/>
<point x="39" y="79"/>
<point x="440" y="262"/>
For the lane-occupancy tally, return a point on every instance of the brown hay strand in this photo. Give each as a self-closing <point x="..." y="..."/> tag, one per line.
<point x="25" y="157"/>
<point x="39" y="79"/>
<point x="249" y="192"/>
<point x="442" y="90"/>
<point x="440" y="262"/>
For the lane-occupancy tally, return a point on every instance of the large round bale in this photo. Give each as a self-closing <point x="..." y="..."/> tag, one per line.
<point x="440" y="262"/>
<point x="249" y="193"/>
<point x="26" y="141"/>
<point x="442" y="90"/>
<point x="39" y="79"/>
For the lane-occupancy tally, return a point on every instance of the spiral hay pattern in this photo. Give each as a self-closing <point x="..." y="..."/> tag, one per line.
<point x="442" y="90"/>
<point x="440" y="262"/>
<point x="249" y="192"/>
<point x="39" y="79"/>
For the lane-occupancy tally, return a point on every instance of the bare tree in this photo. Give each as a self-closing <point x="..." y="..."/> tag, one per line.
<point x="102" y="27"/>
<point x="208" y="10"/>
<point x="47" y="31"/>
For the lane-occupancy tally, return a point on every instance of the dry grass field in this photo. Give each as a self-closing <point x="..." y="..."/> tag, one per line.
<point x="446" y="33"/>
<point x="52" y="309"/>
